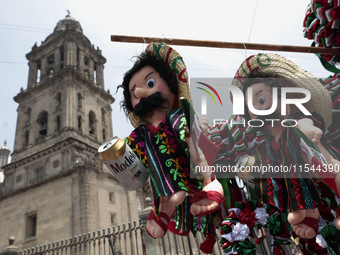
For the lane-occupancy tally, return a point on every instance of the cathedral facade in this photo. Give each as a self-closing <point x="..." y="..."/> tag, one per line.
<point x="56" y="185"/>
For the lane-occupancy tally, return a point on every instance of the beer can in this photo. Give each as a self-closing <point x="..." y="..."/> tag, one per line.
<point x="123" y="163"/>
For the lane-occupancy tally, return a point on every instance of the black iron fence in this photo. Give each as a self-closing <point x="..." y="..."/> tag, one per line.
<point x="124" y="239"/>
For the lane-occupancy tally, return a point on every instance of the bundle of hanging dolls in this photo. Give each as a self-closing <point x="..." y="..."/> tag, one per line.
<point x="269" y="212"/>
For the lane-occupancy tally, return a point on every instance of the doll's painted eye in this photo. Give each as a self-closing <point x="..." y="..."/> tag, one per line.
<point x="261" y="99"/>
<point x="150" y="83"/>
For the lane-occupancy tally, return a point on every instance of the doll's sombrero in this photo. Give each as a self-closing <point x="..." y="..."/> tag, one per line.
<point x="175" y="61"/>
<point x="270" y="63"/>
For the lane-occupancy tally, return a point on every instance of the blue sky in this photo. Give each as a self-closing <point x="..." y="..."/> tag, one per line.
<point x="23" y="23"/>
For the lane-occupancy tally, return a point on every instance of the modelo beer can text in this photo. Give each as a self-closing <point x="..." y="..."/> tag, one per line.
<point x="123" y="163"/>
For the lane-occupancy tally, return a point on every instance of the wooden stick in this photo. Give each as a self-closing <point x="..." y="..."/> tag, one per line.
<point x="220" y="44"/>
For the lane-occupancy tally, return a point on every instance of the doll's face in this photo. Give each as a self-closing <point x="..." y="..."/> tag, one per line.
<point x="263" y="99"/>
<point x="146" y="82"/>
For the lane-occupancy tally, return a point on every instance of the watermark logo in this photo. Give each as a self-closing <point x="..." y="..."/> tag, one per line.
<point x="204" y="97"/>
<point x="239" y="99"/>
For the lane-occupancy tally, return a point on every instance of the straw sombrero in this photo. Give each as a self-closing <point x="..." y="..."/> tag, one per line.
<point x="270" y="63"/>
<point x="175" y="61"/>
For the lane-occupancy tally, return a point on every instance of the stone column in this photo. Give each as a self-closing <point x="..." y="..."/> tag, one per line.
<point x="71" y="54"/>
<point x="32" y="74"/>
<point x="43" y="71"/>
<point x="99" y="75"/>
<point x="91" y="70"/>
<point x="57" y="60"/>
<point x="11" y="249"/>
<point x="81" y="64"/>
<point x="152" y="246"/>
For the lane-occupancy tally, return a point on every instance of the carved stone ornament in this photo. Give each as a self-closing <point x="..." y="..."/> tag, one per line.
<point x="56" y="163"/>
<point x="19" y="178"/>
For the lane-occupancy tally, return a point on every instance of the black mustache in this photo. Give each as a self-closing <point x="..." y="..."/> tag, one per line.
<point x="146" y="106"/>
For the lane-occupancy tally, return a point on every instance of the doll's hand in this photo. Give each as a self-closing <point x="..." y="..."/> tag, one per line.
<point x="204" y="125"/>
<point x="307" y="127"/>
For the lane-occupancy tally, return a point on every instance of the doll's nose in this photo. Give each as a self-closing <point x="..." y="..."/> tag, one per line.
<point x="140" y="93"/>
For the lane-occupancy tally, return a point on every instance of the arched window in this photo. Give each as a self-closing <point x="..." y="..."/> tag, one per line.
<point x="42" y="121"/>
<point x="38" y="73"/>
<point x="61" y="53"/>
<point x="27" y="134"/>
<point x="92" y="123"/>
<point x="95" y="74"/>
<point x="104" y="135"/>
<point x="58" y="123"/>
<point x="79" y="123"/>
<point x="39" y="174"/>
<point x="50" y="59"/>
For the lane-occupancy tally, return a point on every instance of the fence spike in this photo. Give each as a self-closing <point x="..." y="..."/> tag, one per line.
<point x="98" y="230"/>
<point x="94" y="234"/>
<point x="113" y="228"/>
<point x="65" y="241"/>
<point x="108" y="230"/>
<point x="103" y="231"/>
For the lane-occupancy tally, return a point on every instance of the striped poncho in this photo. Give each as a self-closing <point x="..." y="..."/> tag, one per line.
<point x="165" y="153"/>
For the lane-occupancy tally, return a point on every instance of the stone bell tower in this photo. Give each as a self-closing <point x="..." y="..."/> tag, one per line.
<point x="56" y="185"/>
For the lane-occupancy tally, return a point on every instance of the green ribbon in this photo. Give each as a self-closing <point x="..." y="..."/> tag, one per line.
<point x="285" y="219"/>
<point x="325" y="63"/>
<point x="246" y="248"/>
<point x="252" y="203"/>
<point x="332" y="236"/>
<point x="243" y="248"/>
<point x="226" y="229"/>
<point x="274" y="223"/>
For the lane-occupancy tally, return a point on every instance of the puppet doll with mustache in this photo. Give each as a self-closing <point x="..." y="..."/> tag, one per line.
<point x="300" y="193"/>
<point x="152" y="89"/>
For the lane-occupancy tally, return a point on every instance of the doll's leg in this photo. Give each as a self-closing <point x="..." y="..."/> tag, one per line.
<point x="157" y="225"/>
<point x="208" y="199"/>
<point x="314" y="135"/>
<point x="296" y="216"/>
<point x="308" y="226"/>
<point x="207" y="246"/>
